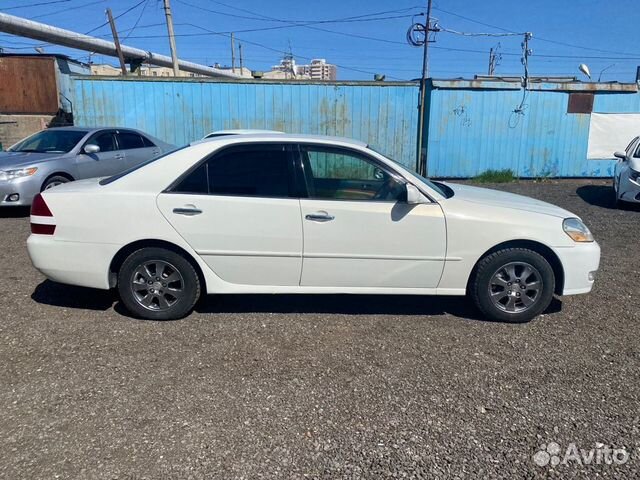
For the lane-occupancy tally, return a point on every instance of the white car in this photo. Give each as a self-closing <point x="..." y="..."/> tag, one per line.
<point x="240" y="131"/>
<point x="304" y="214"/>
<point x="626" y="179"/>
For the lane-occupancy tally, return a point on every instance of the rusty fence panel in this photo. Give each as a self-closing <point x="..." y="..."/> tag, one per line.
<point x="28" y="85"/>
<point x="183" y="110"/>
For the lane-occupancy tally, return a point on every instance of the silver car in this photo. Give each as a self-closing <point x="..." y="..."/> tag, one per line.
<point x="626" y="178"/>
<point x="59" y="155"/>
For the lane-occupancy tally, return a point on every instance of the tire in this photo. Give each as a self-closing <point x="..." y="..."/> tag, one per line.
<point x="158" y="284"/>
<point x="54" y="182"/>
<point x="502" y="281"/>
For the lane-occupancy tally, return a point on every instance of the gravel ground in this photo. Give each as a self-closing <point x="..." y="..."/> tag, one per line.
<point x="321" y="387"/>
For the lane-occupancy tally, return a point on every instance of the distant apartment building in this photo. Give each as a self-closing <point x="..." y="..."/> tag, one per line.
<point x="318" y="69"/>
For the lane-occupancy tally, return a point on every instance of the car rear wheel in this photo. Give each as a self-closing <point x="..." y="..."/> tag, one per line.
<point x="54" y="182"/>
<point x="158" y="284"/>
<point x="513" y="285"/>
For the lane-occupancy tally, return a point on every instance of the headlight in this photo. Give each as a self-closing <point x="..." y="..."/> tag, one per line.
<point x="22" y="172"/>
<point x="577" y="230"/>
<point x="633" y="175"/>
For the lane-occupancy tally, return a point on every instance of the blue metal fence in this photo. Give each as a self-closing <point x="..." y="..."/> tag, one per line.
<point x="474" y="126"/>
<point x="181" y="111"/>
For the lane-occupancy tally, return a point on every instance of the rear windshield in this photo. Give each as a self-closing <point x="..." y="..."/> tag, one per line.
<point x="124" y="173"/>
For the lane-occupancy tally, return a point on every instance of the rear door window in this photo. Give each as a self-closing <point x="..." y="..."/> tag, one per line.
<point x="130" y="140"/>
<point x="264" y="170"/>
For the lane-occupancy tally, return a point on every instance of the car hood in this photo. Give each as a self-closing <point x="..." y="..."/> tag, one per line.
<point x="495" y="198"/>
<point x="24" y="159"/>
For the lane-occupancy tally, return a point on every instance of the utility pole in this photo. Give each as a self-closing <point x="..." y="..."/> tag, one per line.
<point x="494" y="58"/>
<point x="422" y="154"/>
<point x="233" y="55"/>
<point x="241" y="62"/>
<point x="116" y="40"/>
<point x="492" y="64"/>
<point x="172" y="38"/>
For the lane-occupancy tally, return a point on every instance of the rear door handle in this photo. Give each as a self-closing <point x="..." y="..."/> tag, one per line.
<point x="319" y="217"/>
<point x="119" y="157"/>
<point x="187" y="211"/>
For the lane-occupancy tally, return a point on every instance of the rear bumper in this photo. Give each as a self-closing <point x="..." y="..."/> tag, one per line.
<point x="580" y="264"/>
<point x="73" y="263"/>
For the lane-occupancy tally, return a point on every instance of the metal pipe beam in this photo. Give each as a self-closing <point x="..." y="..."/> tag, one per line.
<point x="59" y="36"/>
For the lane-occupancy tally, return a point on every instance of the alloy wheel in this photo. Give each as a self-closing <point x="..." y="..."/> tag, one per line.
<point x="515" y="287"/>
<point x="157" y="285"/>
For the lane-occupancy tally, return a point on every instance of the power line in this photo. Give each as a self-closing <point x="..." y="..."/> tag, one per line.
<point x="63" y="11"/>
<point x="36" y="5"/>
<point x="116" y="17"/>
<point x="536" y="37"/>
<point x="292" y="23"/>
<point x="280" y="51"/>
<point x="131" y="30"/>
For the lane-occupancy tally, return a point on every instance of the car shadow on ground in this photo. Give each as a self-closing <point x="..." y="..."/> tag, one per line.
<point x="68" y="296"/>
<point x="348" y="305"/>
<point x="14" y="212"/>
<point x="603" y="196"/>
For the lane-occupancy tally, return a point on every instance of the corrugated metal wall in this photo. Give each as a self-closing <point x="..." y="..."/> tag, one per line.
<point x="471" y="130"/>
<point x="180" y="111"/>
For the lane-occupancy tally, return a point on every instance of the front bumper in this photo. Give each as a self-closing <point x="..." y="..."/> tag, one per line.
<point x="628" y="190"/>
<point x="26" y="188"/>
<point x="580" y="264"/>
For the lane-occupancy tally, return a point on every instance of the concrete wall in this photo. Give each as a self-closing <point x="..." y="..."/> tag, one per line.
<point x="16" y="127"/>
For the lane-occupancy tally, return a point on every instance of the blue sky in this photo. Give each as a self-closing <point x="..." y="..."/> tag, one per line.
<point x="565" y="33"/>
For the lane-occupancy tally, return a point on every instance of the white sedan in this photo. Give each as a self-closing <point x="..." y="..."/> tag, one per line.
<point x="626" y="178"/>
<point x="287" y="213"/>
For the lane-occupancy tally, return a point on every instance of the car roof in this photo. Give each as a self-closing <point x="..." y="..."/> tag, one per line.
<point x="282" y="137"/>
<point x="93" y="129"/>
<point x="241" y="131"/>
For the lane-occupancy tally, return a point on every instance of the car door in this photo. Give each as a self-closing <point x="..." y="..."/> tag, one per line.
<point x="108" y="161"/>
<point x="137" y="148"/>
<point x="238" y="210"/>
<point x="358" y="229"/>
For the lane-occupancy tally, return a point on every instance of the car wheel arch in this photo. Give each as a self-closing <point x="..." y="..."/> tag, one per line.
<point x="56" y="174"/>
<point x="125" y="251"/>
<point x="547" y="253"/>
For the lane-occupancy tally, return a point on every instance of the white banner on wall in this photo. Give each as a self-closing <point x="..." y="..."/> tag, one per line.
<point x="610" y="132"/>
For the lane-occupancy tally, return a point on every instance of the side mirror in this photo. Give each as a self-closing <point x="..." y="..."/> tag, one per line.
<point x="620" y="155"/>
<point x="91" y="149"/>
<point x="414" y="196"/>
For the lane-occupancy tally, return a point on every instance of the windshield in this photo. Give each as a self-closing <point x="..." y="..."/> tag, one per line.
<point x="438" y="187"/>
<point x="50" y="141"/>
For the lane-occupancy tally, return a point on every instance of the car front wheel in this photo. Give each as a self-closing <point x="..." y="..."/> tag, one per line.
<point x="513" y="285"/>
<point x="158" y="284"/>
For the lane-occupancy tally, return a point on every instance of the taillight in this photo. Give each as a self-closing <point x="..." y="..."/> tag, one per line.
<point x="39" y="207"/>
<point x="42" y="229"/>
<point x="41" y="217"/>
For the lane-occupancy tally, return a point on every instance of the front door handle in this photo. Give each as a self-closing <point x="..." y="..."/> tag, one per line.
<point x="187" y="211"/>
<point x="319" y="217"/>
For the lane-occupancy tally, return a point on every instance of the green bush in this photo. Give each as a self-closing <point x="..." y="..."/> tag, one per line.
<point x="495" y="176"/>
